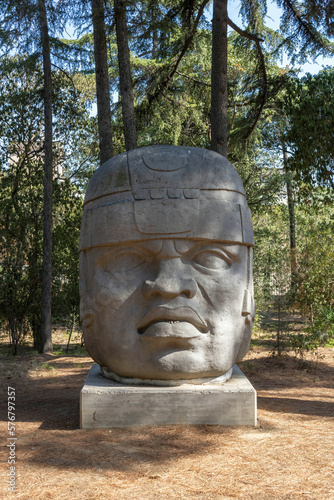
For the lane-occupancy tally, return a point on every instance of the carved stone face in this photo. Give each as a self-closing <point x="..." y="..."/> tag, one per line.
<point x="167" y="308"/>
<point x="166" y="265"/>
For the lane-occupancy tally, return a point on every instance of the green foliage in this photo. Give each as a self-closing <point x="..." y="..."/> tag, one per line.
<point x="271" y="255"/>
<point x="67" y="216"/>
<point x="310" y="110"/>
<point x="307" y="26"/>
<point x="21" y="185"/>
<point x="315" y="259"/>
<point x="318" y="335"/>
<point x="314" y="288"/>
<point x="21" y="202"/>
<point x="189" y="93"/>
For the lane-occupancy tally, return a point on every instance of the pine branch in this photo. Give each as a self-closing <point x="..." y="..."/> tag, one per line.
<point x="308" y="30"/>
<point x="263" y="69"/>
<point x="187" y="43"/>
<point x="193" y="79"/>
<point x="65" y="73"/>
<point x="243" y="33"/>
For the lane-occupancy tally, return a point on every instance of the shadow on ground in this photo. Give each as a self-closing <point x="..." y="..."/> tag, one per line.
<point x="53" y="397"/>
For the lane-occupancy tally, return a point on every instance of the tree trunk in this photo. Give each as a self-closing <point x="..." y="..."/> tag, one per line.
<point x="46" y="333"/>
<point x="102" y="81"/>
<point x="219" y="78"/>
<point x="125" y="80"/>
<point x="292" y="221"/>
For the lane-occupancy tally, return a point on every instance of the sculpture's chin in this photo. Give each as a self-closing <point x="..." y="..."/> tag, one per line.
<point x="166" y="382"/>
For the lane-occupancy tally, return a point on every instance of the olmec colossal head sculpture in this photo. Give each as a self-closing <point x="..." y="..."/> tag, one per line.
<point x="166" y="266"/>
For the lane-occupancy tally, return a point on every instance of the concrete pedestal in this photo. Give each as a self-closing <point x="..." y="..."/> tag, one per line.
<point x="105" y="404"/>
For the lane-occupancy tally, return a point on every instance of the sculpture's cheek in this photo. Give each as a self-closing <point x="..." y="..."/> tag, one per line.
<point x="222" y="293"/>
<point x="111" y="292"/>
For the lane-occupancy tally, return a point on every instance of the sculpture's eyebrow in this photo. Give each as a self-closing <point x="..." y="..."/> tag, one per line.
<point x="111" y="251"/>
<point x="184" y="246"/>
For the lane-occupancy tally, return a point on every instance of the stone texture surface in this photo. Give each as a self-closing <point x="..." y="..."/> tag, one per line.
<point x="105" y="403"/>
<point x="166" y="277"/>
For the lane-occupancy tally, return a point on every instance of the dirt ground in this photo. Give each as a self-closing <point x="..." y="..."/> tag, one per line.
<point x="289" y="455"/>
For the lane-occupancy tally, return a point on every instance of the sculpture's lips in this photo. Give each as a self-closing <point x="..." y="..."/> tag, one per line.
<point x="170" y="316"/>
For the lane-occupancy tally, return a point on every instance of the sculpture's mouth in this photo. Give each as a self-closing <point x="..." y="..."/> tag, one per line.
<point x="171" y="318"/>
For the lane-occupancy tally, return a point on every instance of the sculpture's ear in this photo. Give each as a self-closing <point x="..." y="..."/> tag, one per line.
<point x="82" y="273"/>
<point x="245" y="342"/>
<point x="87" y="317"/>
<point x="248" y="310"/>
<point x="87" y="312"/>
<point x="248" y="307"/>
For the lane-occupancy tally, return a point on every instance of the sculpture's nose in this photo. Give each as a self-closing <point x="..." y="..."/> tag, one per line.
<point x="173" y="279"/>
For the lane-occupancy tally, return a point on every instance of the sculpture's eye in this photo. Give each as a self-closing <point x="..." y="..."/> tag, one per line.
<point x="123" y="262"/>
<point x="212" y="259"/>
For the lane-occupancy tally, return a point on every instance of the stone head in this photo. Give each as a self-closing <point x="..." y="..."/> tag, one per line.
<point x="166" y="277"/>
